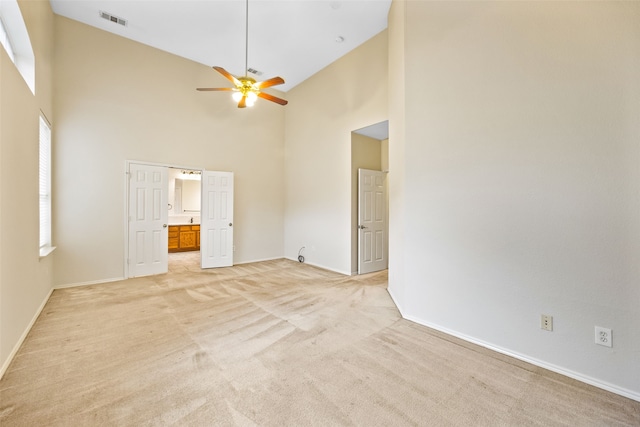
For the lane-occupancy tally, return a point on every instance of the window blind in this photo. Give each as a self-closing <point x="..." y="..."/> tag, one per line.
<point x="45" y="183"/>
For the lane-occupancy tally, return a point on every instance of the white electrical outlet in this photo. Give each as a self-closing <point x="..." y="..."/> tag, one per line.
<point x="546" y="322"/>
<point x="604" y="337"/>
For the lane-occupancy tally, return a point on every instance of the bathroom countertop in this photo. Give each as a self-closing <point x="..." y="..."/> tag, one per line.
<point x="184" y="219"/>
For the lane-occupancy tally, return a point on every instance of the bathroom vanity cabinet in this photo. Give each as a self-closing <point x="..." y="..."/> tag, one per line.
<point x="184" y="237"/>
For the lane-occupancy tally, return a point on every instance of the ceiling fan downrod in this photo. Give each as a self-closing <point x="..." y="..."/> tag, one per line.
<point x="247" y="90"/>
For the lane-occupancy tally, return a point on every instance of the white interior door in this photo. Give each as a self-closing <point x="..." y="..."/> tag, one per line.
<point x="216" y="219"/>
<point x="372" y="221"/>
<point x="148" y="214"/>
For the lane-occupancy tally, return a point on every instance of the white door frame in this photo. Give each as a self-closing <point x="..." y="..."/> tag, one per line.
<point x="126" y="202"/>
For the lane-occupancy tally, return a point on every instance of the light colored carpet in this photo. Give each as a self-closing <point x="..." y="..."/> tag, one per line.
<point x="275" y="343"/>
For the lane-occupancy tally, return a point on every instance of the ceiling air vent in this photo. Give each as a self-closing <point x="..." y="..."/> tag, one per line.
<point x="254" y="72"/>
<point x="115" y="19"/>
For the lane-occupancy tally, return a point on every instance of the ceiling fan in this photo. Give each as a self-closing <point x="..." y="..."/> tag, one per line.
<point x="247" y="90"/>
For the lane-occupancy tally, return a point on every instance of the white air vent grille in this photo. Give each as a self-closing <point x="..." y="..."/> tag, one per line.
<point x="114" y="19"/>
<point x="254" y="71"/>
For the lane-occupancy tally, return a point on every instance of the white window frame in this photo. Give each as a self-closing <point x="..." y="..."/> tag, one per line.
<point x="44" y="187"/>
<point x="17" y="37"/>
<point x="4" y="40"/>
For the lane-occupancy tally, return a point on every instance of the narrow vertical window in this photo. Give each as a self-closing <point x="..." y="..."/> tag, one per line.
<point x="45" y="187"/>
<point x="4" y="40"/>
<point x="14" y="37"/>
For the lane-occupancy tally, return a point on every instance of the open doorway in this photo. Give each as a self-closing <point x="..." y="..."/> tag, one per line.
<point x="201" y="216"/>
<point x="369" y="150"/>
<point x="184" y="213"/>
<point x="204" y="213"/>
<point x="184" y="209"/>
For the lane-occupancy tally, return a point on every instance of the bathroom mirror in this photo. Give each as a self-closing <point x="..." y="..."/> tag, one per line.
<point x="190" y="195"/>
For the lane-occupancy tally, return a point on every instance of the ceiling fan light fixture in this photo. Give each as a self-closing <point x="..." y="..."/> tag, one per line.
<point x="251" y="98"/>
<point x="247" y="90"/>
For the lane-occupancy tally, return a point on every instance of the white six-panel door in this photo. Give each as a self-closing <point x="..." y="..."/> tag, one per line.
<point x="216" y="219"/>
<point x="372" y="221"/>
<point x="148" y="214"/>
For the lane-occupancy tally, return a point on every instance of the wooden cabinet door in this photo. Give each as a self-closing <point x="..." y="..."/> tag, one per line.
<point x="187" y="239"/>
<point x="196" y="228"/>
<point x="174" y="242"/>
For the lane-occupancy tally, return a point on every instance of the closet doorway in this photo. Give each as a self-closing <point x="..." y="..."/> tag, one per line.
<point x="370" y="151"/>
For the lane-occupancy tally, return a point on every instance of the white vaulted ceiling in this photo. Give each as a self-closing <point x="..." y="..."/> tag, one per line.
<point x="293" y="39"/>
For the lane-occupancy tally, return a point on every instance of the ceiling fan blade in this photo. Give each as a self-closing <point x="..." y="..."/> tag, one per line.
<point x="214" y="88"/>
<point x="243" y="102"/>
<point x="270" y="82"/>
<point x="228" y="75"/>
<point x="272" y="98"/>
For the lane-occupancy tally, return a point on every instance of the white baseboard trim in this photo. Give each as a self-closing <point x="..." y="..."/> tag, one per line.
<point x="346" y="273"/>
<point x="93" y="282"/>
<point x="398" y="306"/>
<point x="557" y="369"/>
<point x="540" y="363"/>
<point x="16" y="347"/>
<point x="257" y="260"/>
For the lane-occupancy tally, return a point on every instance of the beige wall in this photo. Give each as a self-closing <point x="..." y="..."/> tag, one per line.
<point x="384" y="166"/>
<point x="366" y="153"/>
<point x="522" y="173"/>
<point x="347" y="95"/>
<point x="384" y="155"/>
<point x="118" y="100"/>
<point x="25" y="280"/>
<point x="395" y="179"/>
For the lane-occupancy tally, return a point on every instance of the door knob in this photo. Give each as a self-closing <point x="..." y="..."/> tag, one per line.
<point x="361" y="227"/>
<point x="230" y="224"/>
<point x="164" y="225"/>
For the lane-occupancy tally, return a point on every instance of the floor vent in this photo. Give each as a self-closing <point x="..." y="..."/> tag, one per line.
<point x="115" y="19"/>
